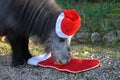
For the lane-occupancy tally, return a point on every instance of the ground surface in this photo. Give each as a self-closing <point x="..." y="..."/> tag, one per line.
<point x="108" y="70"/>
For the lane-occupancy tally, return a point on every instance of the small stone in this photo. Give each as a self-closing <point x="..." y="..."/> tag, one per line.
<point x="118" y="34"/>
<point x="82" y="36"/>
<point x="95" y="37"/>
<point x="109" y="37"/>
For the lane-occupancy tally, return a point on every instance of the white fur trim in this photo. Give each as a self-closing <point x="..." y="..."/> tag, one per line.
<point x="58" y="26"/>
<point x="36" y="59"/>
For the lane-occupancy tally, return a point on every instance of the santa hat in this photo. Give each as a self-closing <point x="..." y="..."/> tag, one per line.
<point x="68" y="23"/>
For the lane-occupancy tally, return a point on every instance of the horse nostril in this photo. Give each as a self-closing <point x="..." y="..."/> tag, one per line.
<point x="68" y="60"/>
<point x="64" y="60"/>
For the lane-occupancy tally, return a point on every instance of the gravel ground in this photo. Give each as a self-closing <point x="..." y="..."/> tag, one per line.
<point x="108" y="70"/>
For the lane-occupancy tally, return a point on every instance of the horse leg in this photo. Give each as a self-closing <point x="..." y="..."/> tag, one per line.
<point x="19" y="45"/>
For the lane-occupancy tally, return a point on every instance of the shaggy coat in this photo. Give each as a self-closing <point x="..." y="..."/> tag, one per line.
<point x="20" y="19"/>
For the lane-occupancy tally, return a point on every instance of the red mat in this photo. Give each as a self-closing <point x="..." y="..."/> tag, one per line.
<point x="74" y="66"/>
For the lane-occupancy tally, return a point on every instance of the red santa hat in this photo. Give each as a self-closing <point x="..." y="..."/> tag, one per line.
<point x="68" y="23"/>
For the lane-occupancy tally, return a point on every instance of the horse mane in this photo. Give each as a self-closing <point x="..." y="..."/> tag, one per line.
<point x="38" y="17"/>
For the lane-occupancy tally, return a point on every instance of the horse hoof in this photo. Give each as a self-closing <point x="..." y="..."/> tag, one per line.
<point x="16" y="63"/>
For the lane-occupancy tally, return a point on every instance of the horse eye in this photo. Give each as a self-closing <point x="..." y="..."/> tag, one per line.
<point x="62" y="39"/>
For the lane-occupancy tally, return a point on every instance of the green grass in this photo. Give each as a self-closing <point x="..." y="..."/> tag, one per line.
<point x="77" y="51"/>
<point x="35" y="48"/>
<point x="96" y="17"/>
<point x="4" y="47"/>
<point x="85" y="51"/>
